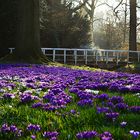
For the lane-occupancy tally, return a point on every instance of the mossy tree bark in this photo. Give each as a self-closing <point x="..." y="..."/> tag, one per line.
<point x="28" y="31"/>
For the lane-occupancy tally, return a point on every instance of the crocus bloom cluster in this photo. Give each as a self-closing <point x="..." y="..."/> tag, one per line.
<point x="50" y="107"/>
<point x="106" y="136"/>
<point x="8" y="96"/>
<point x="103" y="97"/>
<point x="85" y="102"/>
<point x="116" y="99"/>
<point x="25" y="98"/>
<point x="37" y="105"/>
<point x="135" y="109"/>
<point x="112" y="115"/>
<point x="5" y="129"/>
<point x="103" y="109"/>
<point x="57" y="99"/>
<point x="86" y="134"/>
<point x="33" y="127"/>
<point x="121" y="106"/>
<point x="58" y="84"/>
<point x="51" y="135"/>
<point x="85" y="95"/>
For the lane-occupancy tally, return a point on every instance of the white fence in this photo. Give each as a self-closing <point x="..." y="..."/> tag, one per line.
<point x="88" y="55"/>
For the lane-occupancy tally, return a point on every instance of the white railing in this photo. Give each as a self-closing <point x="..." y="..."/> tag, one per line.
<point x="88" y="55"/>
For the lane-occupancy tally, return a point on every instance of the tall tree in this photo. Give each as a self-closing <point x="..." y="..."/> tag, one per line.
<point x="28" y="36"/>
<point x="133" y="22"/>
<point x="90" y="7"/>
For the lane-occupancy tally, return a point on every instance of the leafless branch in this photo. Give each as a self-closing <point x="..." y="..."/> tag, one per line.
<point x="80" y="6"/>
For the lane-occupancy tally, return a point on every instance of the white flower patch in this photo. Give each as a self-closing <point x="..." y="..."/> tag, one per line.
<point x="9" y="88"/>
<point x="129" y="86"/>
<point x="10" y="106"/>
<point x="2" y="90"/>
<point x="13" y="96"/>
<point x="92" y="91"/>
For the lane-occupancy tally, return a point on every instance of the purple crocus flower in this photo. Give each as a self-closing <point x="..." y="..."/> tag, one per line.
<point x="33" y="137"/>
<point x="135" y="134"/>
<point x="25" y="98"/>
<point x="13" y="128"/>
<point x="73" y="111"/>
<point x="135" y="109"/>
<point x="5" y="128"/>
<point x="19" y="133"/>
<point x="123" y="124"/>
<point x="53" y="138"/>
<point x="106" y="136"/>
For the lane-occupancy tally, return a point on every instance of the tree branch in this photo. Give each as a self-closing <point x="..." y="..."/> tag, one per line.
<point x="80" y="6"/>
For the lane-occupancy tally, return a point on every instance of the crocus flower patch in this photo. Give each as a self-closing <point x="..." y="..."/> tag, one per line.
<point x="58" y="103"/>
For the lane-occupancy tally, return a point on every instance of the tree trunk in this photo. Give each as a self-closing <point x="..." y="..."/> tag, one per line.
<point x="28" y="31"/>
<point x="125" y="23"/>
<point x="132" y="33"/>
<point x="92" y="12"/>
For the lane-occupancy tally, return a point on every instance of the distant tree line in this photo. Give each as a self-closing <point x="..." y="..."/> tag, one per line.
<point x="61" y="26"/>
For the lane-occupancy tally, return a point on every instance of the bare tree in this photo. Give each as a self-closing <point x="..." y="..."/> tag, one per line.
<point x="89" y="7"/>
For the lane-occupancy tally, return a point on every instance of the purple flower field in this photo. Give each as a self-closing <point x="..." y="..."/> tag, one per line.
<point x="58" y="103"/>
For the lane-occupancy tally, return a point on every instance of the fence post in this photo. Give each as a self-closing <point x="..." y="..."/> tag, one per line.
<point x="11" y="50"/>
<point x="64" y="56"/>
<point x="43" y="50"/>
<point x="86" y="57"/>
<point x="117" y="57"/>
<point x="127" y="56"/>
<point x="84" y="53"/>
<point x="138" y="56"/>
<point x="114" y="54"/>
<point x="75" y="57"/>
<point x="107" y="57"/>
<point x="96" y="57"/>
<point x="104" y="56"/>
<point x="53" y="54"/>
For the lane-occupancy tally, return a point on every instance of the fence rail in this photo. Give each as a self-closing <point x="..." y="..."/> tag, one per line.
<point x="66" y="55"/>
